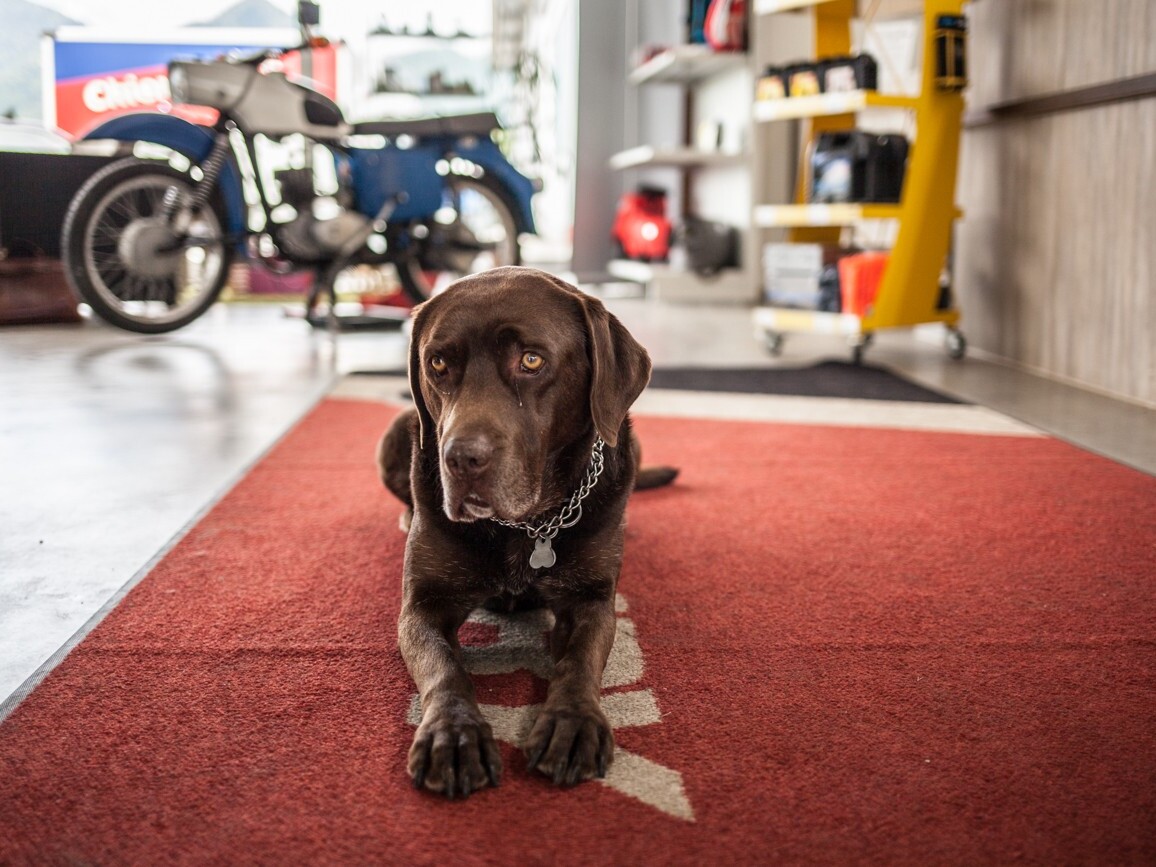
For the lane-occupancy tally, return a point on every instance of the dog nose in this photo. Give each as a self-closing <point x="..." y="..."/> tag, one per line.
<point x="467" y="457"/>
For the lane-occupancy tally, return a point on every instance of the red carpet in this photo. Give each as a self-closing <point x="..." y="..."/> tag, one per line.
<point x="836" y="646"/>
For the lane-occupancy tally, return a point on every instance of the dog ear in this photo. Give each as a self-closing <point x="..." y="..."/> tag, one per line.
<point x="620" y="368"/>
<point x="424" y="419"/>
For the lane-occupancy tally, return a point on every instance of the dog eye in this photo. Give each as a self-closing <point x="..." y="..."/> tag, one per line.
<point x="532" y="362"/>
<point x="438" y="364"/>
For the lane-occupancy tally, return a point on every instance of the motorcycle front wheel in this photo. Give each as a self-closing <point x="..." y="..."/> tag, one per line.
<point x="125" y="258"/>
<point x="473" y="231"/>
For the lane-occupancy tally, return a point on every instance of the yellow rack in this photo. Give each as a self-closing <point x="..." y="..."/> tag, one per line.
<point x="909" y="292"/>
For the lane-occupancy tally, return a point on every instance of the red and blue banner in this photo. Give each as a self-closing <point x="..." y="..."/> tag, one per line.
<point x="93" y="75"/>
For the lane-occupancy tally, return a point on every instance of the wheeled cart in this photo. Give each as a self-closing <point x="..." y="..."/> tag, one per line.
<point x="914" y="286"/>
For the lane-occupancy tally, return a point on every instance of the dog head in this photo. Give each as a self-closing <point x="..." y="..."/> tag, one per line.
<point x="511" y="369"/>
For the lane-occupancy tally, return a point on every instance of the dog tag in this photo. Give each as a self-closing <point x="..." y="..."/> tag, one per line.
<point x="543" y="556"/>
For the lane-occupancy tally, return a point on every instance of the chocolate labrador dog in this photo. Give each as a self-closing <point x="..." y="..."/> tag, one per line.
<point x="516" y="463"/>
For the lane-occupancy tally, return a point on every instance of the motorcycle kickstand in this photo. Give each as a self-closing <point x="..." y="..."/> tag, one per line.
<point x="325" y="279"/>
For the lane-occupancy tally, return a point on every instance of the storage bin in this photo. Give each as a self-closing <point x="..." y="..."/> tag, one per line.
<point x="859" y="278"/>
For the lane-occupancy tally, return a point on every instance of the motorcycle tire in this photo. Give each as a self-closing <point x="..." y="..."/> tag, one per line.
<point x="122" y="259"/>
<point x="486" y="209"/>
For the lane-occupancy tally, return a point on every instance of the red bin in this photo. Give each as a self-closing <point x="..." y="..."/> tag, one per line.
<point x="859" y="277"/>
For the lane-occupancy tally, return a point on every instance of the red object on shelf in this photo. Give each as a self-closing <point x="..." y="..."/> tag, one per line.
<point x="725" y="27"/>
<point x="641" y="226"/>
<point x="859" y="277"/>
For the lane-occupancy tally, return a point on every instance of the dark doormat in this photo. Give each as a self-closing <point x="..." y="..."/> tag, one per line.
<point x="825" y="379"/>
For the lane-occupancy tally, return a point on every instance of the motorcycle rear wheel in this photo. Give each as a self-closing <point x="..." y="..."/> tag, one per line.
<point x="477" y="210"/>
<point x="124" y="260"/>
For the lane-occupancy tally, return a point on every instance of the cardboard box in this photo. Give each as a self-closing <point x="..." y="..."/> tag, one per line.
<point x="791" y="273"/>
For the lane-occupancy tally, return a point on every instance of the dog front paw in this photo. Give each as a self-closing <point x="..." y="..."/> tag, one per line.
<point x="454" y="752"/>
<point x="571" y="743"/>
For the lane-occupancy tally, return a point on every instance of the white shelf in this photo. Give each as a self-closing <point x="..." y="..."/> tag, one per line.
<point x="652" y="156"/>
<point x="770" y="7"/>
<point x="840" y="214"/>
<point x="789" y="319"/>
<point x="631" y="270"/>
<point x="825" y="104"/>
<point x="772" y="216"/>
<point x="685" y="64"/>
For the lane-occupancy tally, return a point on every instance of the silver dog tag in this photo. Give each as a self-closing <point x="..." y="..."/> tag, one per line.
<point x="543" y="556"/>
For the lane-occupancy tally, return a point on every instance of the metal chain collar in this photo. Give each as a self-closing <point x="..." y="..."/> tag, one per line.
<point x="571" y="513"/>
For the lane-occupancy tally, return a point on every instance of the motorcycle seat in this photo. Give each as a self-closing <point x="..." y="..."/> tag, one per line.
<point x="463" y="124"/>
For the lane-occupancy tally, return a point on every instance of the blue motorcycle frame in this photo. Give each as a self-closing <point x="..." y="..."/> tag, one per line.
<point x="378" y="173"/>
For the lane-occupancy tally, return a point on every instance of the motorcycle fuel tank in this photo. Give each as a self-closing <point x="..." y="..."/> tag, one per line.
<point x="265" y="103"/>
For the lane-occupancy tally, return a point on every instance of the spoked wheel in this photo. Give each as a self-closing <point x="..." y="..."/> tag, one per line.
<point x="474" y="230"/>
<point x="134" y="254"/>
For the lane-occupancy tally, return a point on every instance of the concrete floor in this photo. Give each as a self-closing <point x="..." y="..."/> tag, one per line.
<point x="112" y="443"/>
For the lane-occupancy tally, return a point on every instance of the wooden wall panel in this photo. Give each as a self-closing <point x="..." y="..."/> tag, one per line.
<point x="1056" y="264"/>
<point x="1025" y="48"/>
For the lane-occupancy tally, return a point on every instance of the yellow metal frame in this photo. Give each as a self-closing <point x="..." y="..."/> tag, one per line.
<point x="832" y="39"/>
<point x="909" y="291"/>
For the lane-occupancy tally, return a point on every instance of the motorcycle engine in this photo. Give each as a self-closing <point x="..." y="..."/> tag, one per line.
<point x="306" y="238"/>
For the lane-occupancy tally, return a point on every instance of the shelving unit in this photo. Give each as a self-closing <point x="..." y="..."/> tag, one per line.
<point x="685" y="64"/>
<point x="701" y="176"/>
<point x="909" y="292"/>
<point x="823" y="216"/>
<point x="770" y="7"/>
<point x="828" y="104"/>
<point x="645" y="155"/>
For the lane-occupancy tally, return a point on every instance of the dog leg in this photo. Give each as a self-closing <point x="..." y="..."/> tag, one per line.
<point x="572" y="740"/>
<point x="394" y="456"/>
<point x="453" y="750"/>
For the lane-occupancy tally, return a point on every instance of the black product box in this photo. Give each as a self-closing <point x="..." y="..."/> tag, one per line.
<point x="857" y="166"/>
<point x="830" y="296"/>
<point x="842" y="74"/>
<point x="808" y="78"/>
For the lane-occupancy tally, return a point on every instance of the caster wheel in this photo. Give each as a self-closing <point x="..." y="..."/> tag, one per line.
<point x="773" y="341"/>
<point x="859" y="344"/>
<point x="956" y="344"/>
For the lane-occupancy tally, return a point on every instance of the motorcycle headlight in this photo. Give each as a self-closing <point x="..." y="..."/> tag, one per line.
<point x="178" y="83"/>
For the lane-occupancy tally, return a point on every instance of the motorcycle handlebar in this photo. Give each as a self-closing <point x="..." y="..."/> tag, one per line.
<point x="256" y="58"/>
<point x="308" y="16"/>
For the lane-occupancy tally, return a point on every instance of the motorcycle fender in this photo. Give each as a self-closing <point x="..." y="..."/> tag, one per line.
<point x="520" y="188"/>
<point x="185" y="138"/>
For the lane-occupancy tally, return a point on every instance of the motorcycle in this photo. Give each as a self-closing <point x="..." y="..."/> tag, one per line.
<point x="282" y="177"/>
